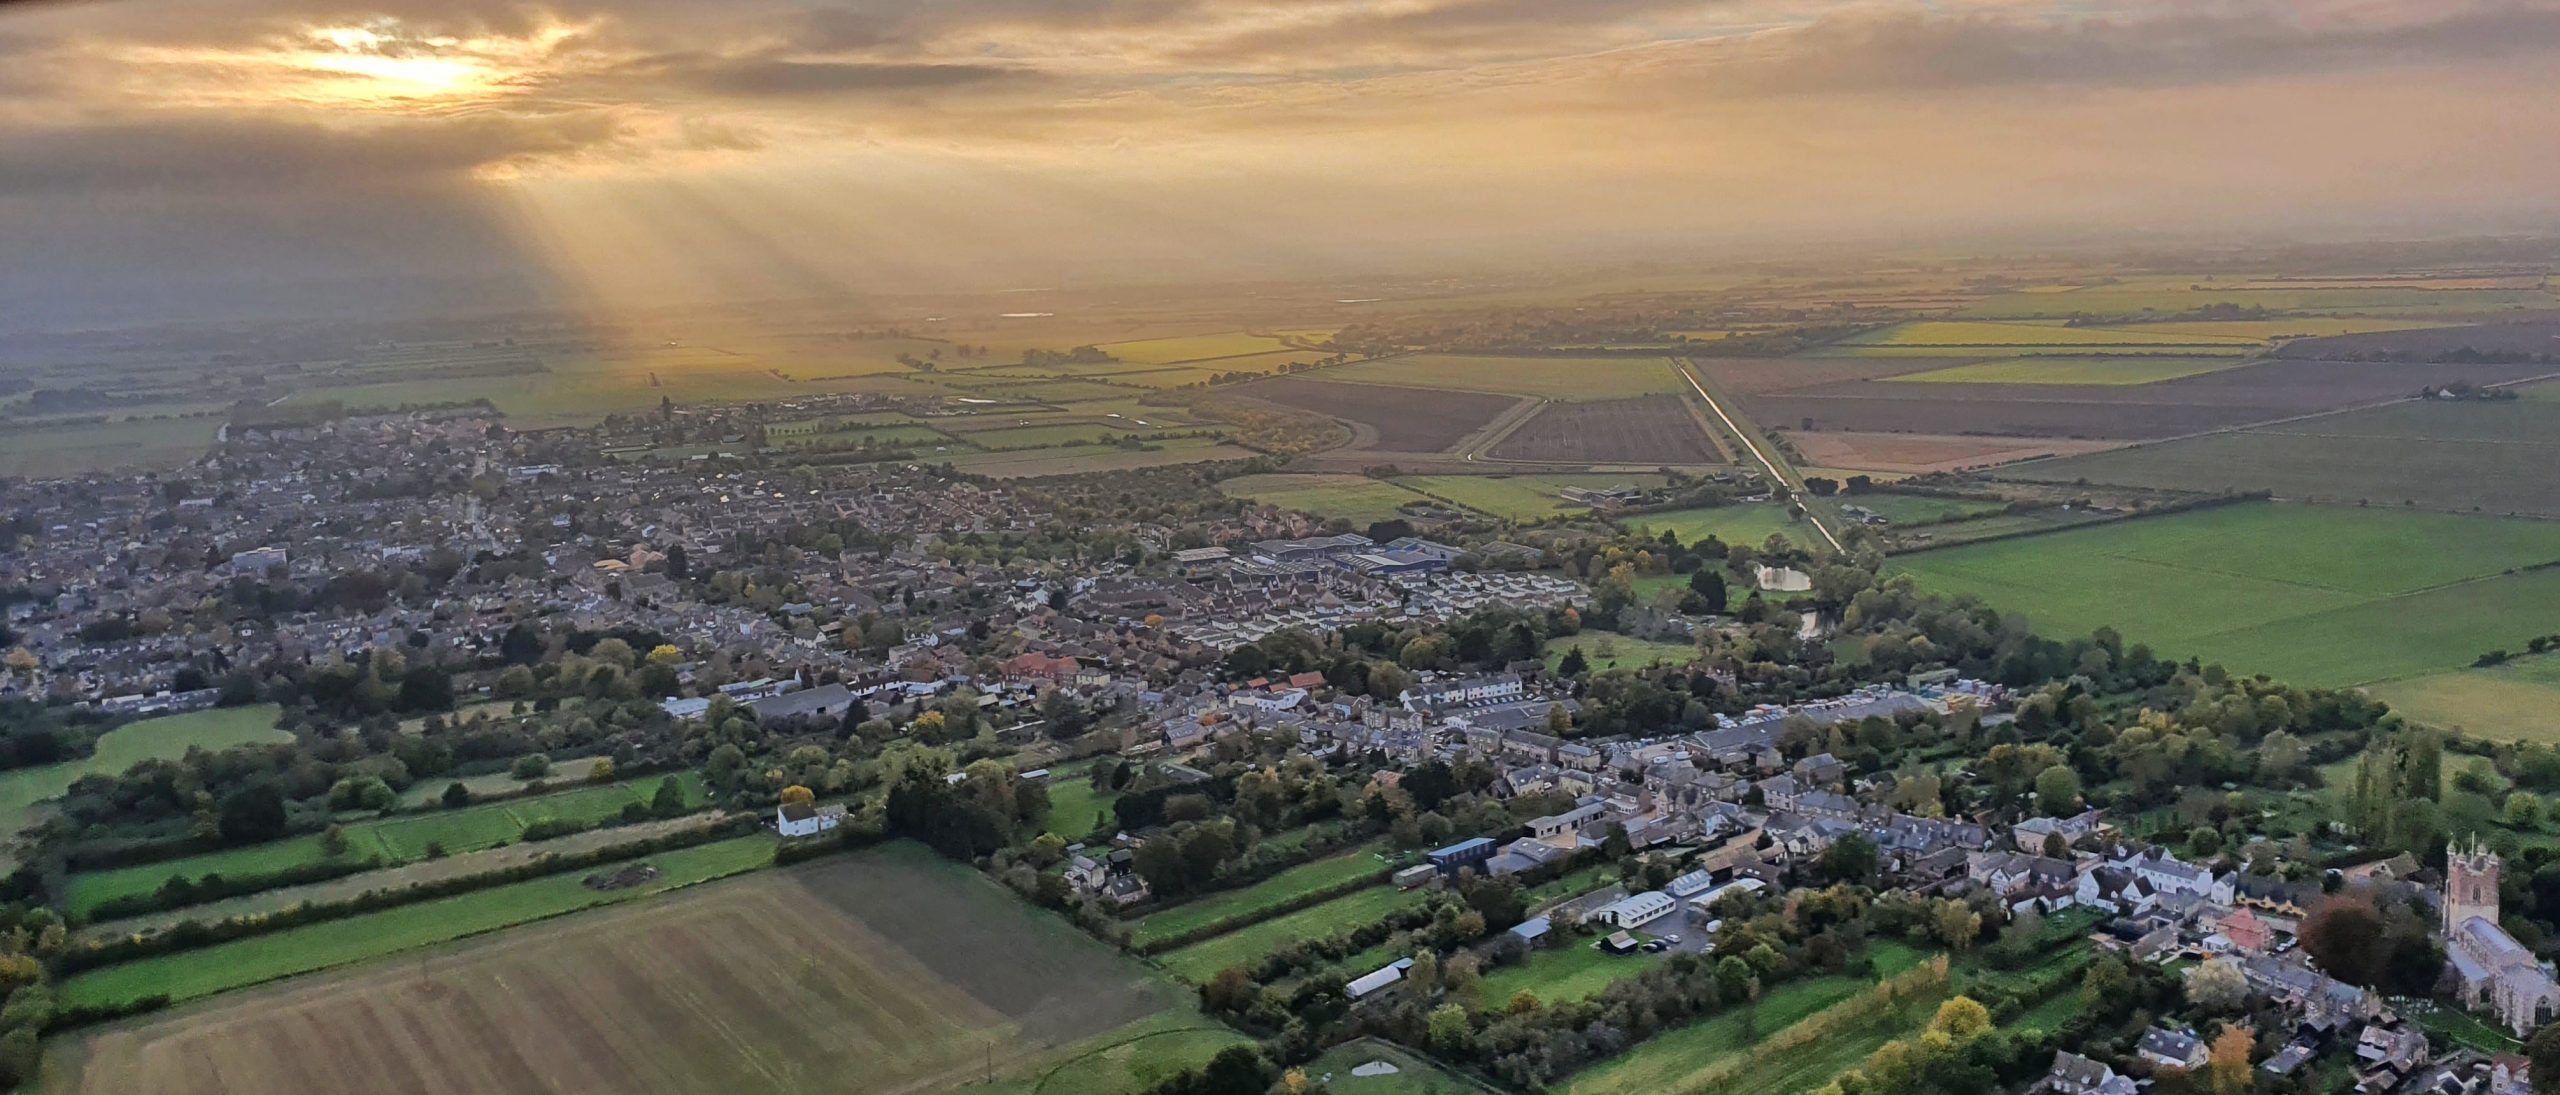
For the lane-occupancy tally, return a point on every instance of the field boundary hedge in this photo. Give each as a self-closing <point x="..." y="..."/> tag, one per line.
<point x="2213" y="502"/>
<point x="1247" y="919"/>
<point x="189" y="935"/>
<point x="1928" y="977"/>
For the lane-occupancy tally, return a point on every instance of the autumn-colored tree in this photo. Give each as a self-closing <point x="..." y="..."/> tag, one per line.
<point x="2228" y="1067"/>
<point x="796" y="795"/>
<point x="1961" y="1018"/>
<point x="601" y="771"/>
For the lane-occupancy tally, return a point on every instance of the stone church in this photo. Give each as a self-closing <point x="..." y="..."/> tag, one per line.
<point x="2491" y="971"/>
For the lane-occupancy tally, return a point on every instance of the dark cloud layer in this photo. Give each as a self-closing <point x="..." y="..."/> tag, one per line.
<point x="214" y="153"/>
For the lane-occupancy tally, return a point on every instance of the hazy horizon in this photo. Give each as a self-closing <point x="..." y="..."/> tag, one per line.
<point x="176" y="162"/>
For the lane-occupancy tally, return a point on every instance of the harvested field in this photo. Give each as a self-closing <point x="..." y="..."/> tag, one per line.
<point x="2140" y="369"/>
<point x="890" y="965"/>
<point x="1562" y="378"/>
<point x="1746" y="376"/>
<point x="1916" y="453"/>
<point x="1651" y="429"/>
<point x="2536" y="340"/>
<point x="2490" y="457"/>
<point x="1388" y="419"/>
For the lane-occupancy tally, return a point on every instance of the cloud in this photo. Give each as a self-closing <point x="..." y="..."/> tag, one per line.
<point x="767" y="76"/>
<point x="215" y="152"/>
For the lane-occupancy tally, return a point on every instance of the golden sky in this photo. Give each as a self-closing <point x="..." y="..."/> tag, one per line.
<point x="196" y="157"/>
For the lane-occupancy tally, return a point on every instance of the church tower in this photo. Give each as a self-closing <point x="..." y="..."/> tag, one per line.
<point x="2470" y="885"/>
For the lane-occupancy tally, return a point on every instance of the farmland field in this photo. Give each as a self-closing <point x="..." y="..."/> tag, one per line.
<point x="1653" y="429"/>
<point x="2451" y="456"/>
<point x="1354" y="498"/>
<point x="1270" y="893"/>
<point x="1604" y="651"/>
<point x="1201" y="961"/>
<point x="2519" y="701"/>
<point x="1903" y="509"/>
<point x="400" y="838"/>
<point x="2131" y="302"/>
<point x="2317" y="596"/>
<point x="1167" y="351"/>
<point x="891" y="965"/>
<point x="1918" y="453"/>
<point x="166" y="737"/>
<point x="1558" y="378"/>
<point x="1978" y="334"/>
<point x="1387" y="418"/>
<point x="2143" y="369"/>
<point x="1660" y="1063"/>
<point x="33" y="450"/>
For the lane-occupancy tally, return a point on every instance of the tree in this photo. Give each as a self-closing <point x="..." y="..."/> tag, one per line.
<point x="2543" y="1049"/>
<point x="2217" y="986"/>
<point x="333" y="840"/>
<point x="530" y="766"/>
<point x="2057" y="791"/>
<point x="669" y="799"/>
<point x="1710" y="588"/>
<point x="796" y="795"/>
<point x="455" y="794"/>
<point x="1956" y="925"/>
<point x="253" y="814"/>
<point x="601" y="771"/>
<point x="2344" y="933"/>
<point x="2229" y="1064"/>
<point x="1734" y="978"/>
<point x="1574" y="664"/>
<point x="1961" y="1018"/>
<point x="1450" y="1031"/>
<point x="1852" y="858"/>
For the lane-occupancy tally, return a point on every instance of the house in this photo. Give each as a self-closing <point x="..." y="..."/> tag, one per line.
<point x="2164" y="1048"/>
<point x="2073" y="1074"/>
<point x="1636" y="910"/>
<point x="2398" y="1048"/>
<point x="798" y="819"/>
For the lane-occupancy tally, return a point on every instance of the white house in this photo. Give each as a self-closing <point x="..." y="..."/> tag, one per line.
<point x="803" y="819"/>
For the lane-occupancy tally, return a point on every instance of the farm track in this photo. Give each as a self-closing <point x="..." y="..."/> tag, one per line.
<point x="1786" y="478"/>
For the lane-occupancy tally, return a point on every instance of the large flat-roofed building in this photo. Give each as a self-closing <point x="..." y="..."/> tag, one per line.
<point x="1636" y="910"/>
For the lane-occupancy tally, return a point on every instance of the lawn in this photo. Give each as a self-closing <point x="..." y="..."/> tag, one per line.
<point x="1354" y="498"/>
<point x="1572" y="379"/>
<point x="2143" y="369"/>
<point x="1201" y="961"/>
<point x="400" y="838"/>
<point x="1602" y="651"/>
<point x="1740" y="523"/>
<point x="1414" y="1073"/>
<point x="167" y="737"/>
<point x="1569" y="970"/>
<point x="2519" y="701"/>
<point x="202" y="972"/>
<point x="1132" y="1058"/>
<point x="889" y="969"/>
<point x="2316" y="596"/>
<point x="1270" y="893"/>
<point x="1074" y="803"/>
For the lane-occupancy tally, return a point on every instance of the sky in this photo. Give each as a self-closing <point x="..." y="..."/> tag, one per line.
<point x="164" y="160"/>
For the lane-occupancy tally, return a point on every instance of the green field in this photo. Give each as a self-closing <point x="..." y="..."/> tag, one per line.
<point x="1660" y="1063"/>
<point x="1131" y="1058"/>
<point x="44" y="450"/>
<point x="2518" y="701"/>
<point x="1517" y="497"/>
<point x="1273" y="892"/>
<point x="1030" y="463"/>
<point x="166" y="738"/>
<point x="1201" y="961"/>
<point x="2313" y="595"/>
<point x="1354" y="498"/>
<point x="2489" y="457"/>
<point x="1904" y="509"/>
<point x="1571" y="379"/>
<point x="2128" y="301"/>
<point x="1739" y="523"/>
<point x="1569" y="970"/>
<point x="858" y="435"/>
<point x="400" y="838"/>
<point x="2145" y="369"/>
<point x="189" y="974"/>
<point x="1415" y="1074"/>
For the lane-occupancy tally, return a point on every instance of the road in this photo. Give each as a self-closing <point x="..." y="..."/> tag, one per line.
<point x="1783" y="478"/>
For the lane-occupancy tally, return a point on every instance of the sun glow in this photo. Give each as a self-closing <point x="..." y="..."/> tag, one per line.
<point x="383" y="65"/>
